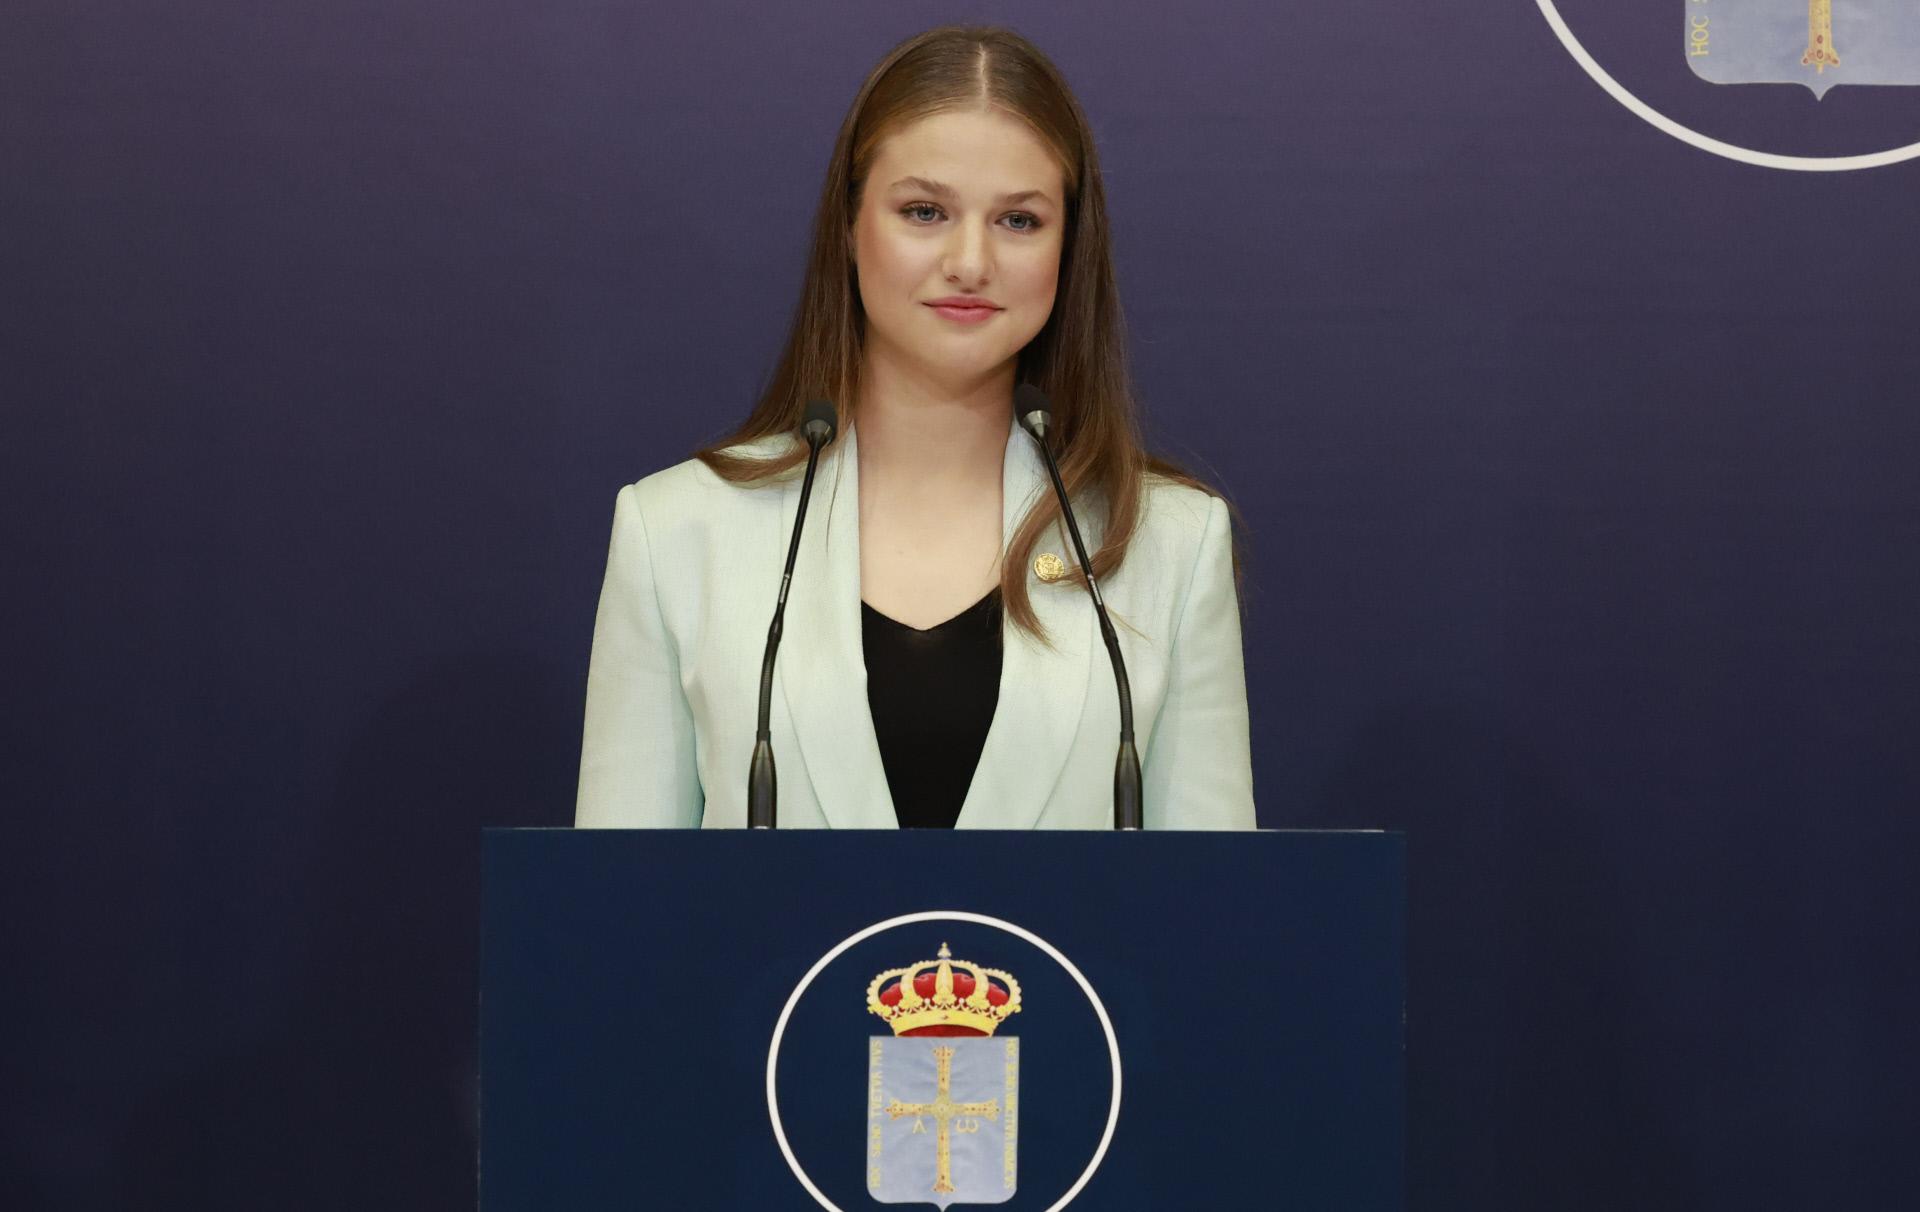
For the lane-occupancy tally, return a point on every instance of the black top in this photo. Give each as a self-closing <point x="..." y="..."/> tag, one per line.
<point x="933" y="694"/>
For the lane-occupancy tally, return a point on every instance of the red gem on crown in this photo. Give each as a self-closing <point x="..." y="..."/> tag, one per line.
<point x="931" y="998"/>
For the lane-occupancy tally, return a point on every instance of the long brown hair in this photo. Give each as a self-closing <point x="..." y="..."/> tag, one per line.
<point x="1079" y="356"/>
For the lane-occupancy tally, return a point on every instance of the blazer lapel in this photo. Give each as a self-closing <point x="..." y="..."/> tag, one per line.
<point x="822" y="665"/>
<point x="1042" y="691"/>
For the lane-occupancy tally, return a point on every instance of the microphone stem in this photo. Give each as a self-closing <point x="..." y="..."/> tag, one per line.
<point x="1126" y="768"/>
<point x="762" y="788"/>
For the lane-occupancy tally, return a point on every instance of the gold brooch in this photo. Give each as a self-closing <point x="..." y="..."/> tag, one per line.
<point x="1049" y="567"/>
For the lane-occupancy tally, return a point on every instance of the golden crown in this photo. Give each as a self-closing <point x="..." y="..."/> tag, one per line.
<point x="930" y="998"/>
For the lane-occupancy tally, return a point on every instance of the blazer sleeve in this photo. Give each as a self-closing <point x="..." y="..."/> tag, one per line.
<point x="637" y="758"/>
<point x="1198" y="770"/>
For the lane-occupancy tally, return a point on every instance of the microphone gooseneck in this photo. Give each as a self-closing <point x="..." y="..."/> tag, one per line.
<point x="1031" y="406"/>
<point x="818" y="428"/>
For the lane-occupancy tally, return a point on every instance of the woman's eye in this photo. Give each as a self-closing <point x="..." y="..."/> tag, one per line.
<point x="926" y="212"/>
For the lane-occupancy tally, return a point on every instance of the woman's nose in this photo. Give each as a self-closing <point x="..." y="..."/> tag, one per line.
<point x="968" y="254"/>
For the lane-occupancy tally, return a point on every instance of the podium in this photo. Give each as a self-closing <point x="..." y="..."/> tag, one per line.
<point x="697" y="1020"/>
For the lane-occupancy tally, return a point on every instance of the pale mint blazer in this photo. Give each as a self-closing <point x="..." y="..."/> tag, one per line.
<point x="692" y="575"/>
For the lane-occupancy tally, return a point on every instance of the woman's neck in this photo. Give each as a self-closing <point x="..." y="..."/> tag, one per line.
<point x="919" y="438"/>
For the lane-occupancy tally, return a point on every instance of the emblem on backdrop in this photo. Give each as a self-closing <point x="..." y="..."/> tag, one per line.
<point x="943" y="1090"/>
<point x="1818" y="43"/>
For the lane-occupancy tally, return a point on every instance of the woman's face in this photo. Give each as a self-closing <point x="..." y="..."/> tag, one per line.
<point x="960" y="205"/>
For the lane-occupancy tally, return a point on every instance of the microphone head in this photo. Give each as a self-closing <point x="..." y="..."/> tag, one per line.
<point x="820" y="422"/>
<point x="1033" y="409"/>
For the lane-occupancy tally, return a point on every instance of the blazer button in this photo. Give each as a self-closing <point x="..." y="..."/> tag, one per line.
<point x="1049" y="567"/>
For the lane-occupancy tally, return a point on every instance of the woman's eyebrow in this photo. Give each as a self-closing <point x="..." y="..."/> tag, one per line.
<point x="947" y="191"/>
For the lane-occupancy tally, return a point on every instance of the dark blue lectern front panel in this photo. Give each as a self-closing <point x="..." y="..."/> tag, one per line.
<point x="632" y="984"/>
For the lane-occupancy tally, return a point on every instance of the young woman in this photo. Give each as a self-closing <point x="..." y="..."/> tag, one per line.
<point x="941" y="663"/>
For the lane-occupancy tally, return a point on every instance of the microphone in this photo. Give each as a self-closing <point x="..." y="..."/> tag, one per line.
<point x="818" y="427"/>
<point x="1036" y="415"/>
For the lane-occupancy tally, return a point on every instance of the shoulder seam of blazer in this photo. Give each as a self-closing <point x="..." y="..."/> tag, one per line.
<point x="653" y="575"/>
<point x="1193" y="573"/>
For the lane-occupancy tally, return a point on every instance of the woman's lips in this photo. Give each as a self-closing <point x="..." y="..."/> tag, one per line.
<point x="965" y="315"/>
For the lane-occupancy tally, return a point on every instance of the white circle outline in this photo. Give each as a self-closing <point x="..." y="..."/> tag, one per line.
<point x="943" y="915"/>
<point x="1686" y="134"/>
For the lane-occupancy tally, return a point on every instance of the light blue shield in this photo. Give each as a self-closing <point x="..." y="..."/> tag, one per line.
<point x="942" y="1119"/>
<point x="1818" y="43"/>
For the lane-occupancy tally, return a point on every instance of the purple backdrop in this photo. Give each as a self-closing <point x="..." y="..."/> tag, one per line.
<point x="1580" y="468"/>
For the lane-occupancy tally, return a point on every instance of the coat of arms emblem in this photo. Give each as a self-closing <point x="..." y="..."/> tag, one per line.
<point x="943" y="1090"/>
<point x="1818" y="43"/>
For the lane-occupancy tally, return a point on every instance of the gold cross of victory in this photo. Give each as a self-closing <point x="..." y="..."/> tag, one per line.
<point x="1820" y="51"/>
<point x="944" y="1111"/>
